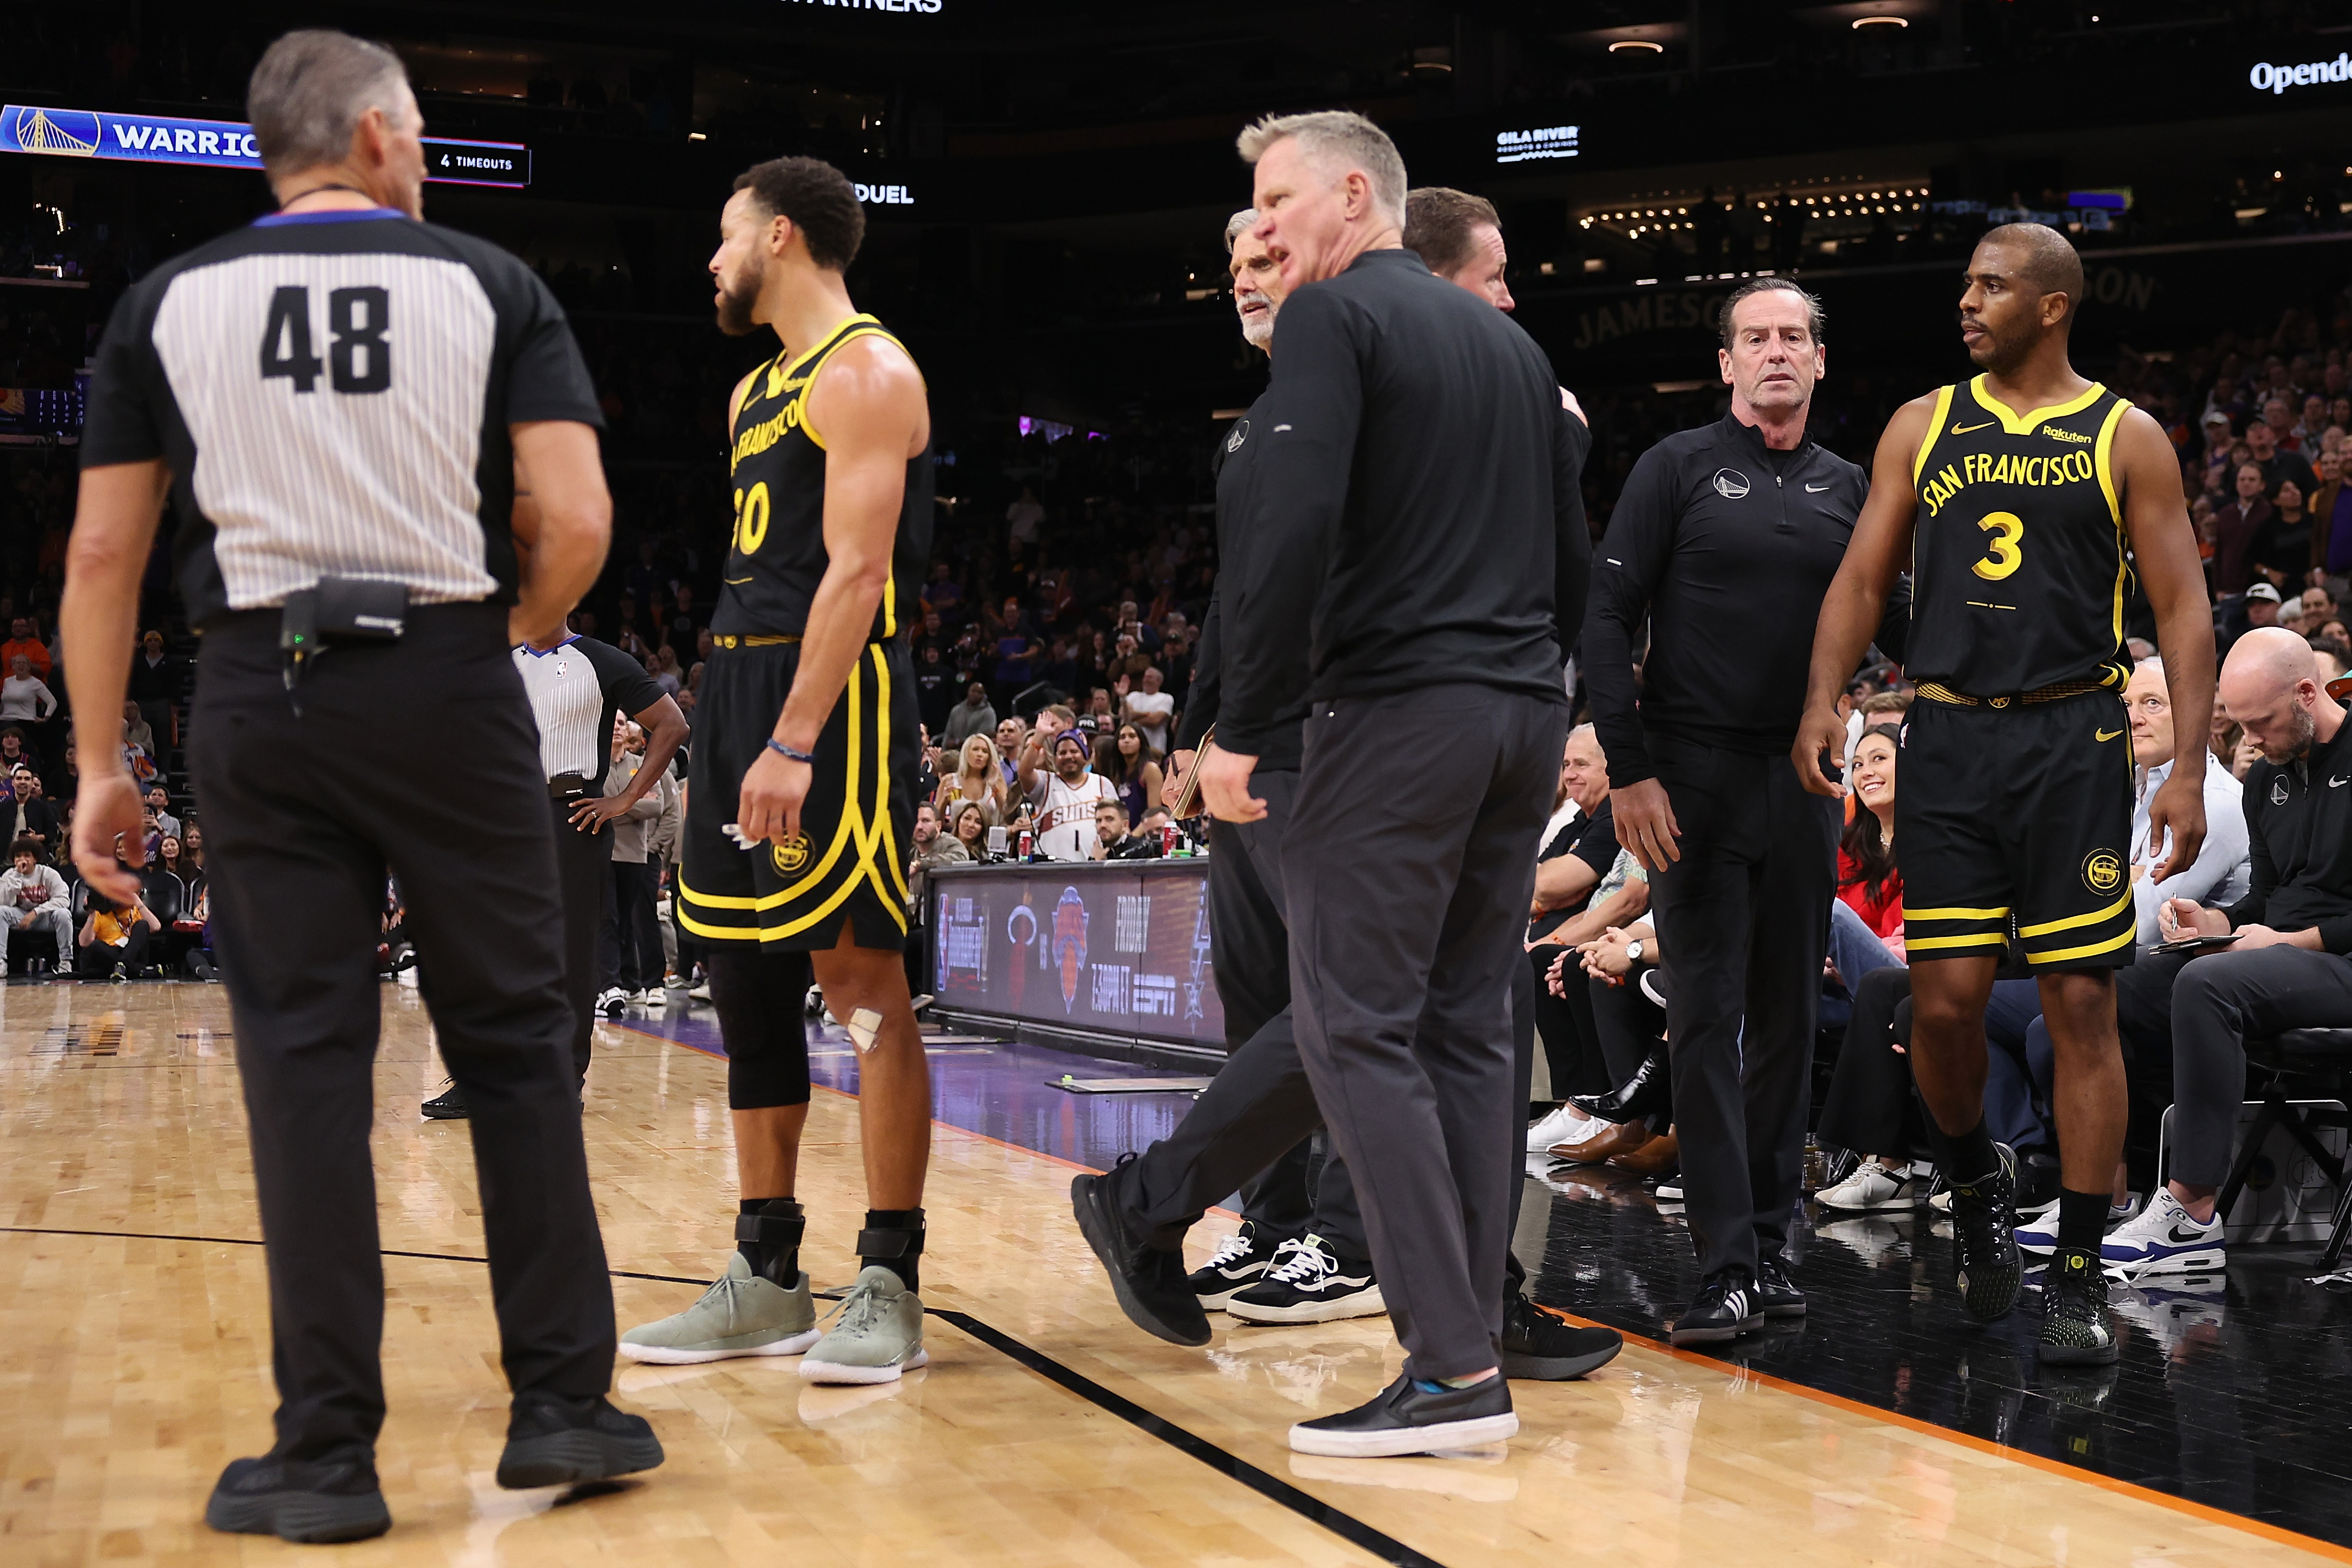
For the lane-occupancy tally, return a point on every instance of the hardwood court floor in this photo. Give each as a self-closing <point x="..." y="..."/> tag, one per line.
<point x="135" y="1363"/>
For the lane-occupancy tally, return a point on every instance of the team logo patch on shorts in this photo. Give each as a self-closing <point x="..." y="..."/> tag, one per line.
<point x="2103" y="870"/>
<point x="789" y="855"/>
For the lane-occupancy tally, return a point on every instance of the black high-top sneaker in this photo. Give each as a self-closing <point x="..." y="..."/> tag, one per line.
<point x="2074" y="1331"/>
<point x="1985" y="1265"/>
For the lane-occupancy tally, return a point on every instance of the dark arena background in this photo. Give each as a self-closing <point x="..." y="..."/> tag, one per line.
<point x="1045" y="186"/>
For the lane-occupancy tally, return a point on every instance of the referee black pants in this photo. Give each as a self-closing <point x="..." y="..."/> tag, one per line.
<point x="1250" y="1130"/>
<point x="580" y="860"/>
<point x="304" y="815"/>
<point x="1408" y="892"/>
<point x="1743" y="918"/>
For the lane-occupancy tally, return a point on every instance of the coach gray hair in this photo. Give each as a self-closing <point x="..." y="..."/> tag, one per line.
<point x="1237" y="224"/>
<point x="1337" y="140"/>
<point x="1814" y="321"/>
<point x="309" y="91"/>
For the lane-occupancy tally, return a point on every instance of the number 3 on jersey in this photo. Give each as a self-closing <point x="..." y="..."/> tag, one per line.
<point x="358" y="360"/>
<point x="2006" y="528"/>
<point x="750" y="518"/>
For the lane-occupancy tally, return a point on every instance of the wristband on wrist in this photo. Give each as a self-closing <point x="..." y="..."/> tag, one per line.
<point x="781" y="749"/>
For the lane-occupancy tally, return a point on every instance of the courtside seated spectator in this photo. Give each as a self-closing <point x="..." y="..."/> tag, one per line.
<point x="114" y="937"/>
<point x="979" y="781"/>
<point x="1132" y="763"/>
<point x="33" y="898"/>
<point x="2219" y="874"/>
<point x="2286" y="970"/>
<point x="1063" y="798"/>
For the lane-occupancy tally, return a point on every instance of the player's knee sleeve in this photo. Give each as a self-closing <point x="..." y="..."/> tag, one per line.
<point x="758" y="997"/>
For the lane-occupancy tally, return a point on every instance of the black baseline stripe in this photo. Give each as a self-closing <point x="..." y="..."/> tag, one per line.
<point x="1313" y="1510"/>
<point x="1346" y="1526"/>
<point x="248" y="1241"/>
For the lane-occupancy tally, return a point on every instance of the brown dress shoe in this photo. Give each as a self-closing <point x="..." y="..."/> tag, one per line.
<point x="1623" y="1138"/>
<point x="1659" y="1156"/>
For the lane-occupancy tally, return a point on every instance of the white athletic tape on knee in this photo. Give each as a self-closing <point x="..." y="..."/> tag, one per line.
<point x="865" y="1029"/>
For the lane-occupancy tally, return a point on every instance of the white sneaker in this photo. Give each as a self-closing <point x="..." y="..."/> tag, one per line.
<point x="1872" y="1185"/>
<point x="2165" y="1239"/>
<point x="1566" y="1125"/>
<point x="654" y="999"/>
<point x="612" y="1001"/>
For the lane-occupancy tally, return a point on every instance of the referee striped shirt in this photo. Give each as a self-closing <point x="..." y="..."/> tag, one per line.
<point x="336" y="390"/>
<point x="575" y="688"/>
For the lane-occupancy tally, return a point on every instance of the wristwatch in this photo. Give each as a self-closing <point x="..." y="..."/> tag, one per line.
<point x="1634" y="951"/>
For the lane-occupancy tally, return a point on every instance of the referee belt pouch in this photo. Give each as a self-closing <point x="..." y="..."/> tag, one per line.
<point x="337" y="612"/>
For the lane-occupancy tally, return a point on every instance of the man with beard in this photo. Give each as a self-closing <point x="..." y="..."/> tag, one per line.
<point x="2015" y="498"/>
<point x="2285" y="970"/>
<point x="799" y="790"/>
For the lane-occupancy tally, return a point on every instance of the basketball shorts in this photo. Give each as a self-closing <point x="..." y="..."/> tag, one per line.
<point x="2017" y="819"/>
<point x="848" y="863"/>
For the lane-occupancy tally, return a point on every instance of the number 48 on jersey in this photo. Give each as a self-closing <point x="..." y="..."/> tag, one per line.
<point x="359" y="358"/>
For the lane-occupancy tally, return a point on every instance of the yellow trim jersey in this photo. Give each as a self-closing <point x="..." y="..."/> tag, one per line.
<point x="2019" y="572"/>
<point x="776" y="555"/>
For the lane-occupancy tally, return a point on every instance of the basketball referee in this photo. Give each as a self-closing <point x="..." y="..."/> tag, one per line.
<point x="575" y="684"/>
<point x="337" y="398"/>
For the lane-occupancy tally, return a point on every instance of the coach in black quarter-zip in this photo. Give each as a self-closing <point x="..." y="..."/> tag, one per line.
<point x="1727" y="537"/>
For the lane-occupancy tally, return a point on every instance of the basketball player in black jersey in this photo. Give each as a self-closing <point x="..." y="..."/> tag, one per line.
<point x="799" y="801"/>
<point x="2022" y="500"/>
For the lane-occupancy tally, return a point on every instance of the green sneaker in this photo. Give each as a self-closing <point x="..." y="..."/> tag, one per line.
<point x="878" y="1335"/>
<point x="741" y="1315"/>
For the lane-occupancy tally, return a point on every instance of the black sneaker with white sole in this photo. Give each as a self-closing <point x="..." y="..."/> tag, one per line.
<point x="312" y="1502"/>
<point x="1776" y="1293"/>
<point x="449" y="1105"/>
<point x="1240" y="1261"/>
<point x="1407" y="1418"/>
<point x="1150" y="1284"/>
<point x="1986" y="1264"/>
<point x="1309" y="1283"/>
<point x="2074" y="1331"/>
<point x="1725" y="1308"/>
<point x="554" y="1441"/>
<point x="1539" y="1346"/>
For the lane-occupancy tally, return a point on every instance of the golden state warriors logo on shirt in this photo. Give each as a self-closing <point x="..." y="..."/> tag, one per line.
<point x="2103" y="870"/>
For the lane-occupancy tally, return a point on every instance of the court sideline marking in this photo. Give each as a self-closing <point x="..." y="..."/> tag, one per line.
<point x="1312" y="1509"/>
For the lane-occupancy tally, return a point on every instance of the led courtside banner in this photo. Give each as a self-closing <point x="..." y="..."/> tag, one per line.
<point x="1117" y="947"/>
<point x="223" y="144"/>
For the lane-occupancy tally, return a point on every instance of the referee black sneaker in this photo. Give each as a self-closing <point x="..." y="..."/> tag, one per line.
<point x="449" y="1105"/>
<point x="1725" y="1308"/>
<point x="1539" y="1346"/>
<point x="1775" y="1292"/>
<point x="1240" y="1260"/>
<point x="1985" y="1265"/>
<point x="552" y="1441"/>
<point x="310" y="1501"/>
<point x="2074" y="1331"/>
<point x="1151" y="1286"/>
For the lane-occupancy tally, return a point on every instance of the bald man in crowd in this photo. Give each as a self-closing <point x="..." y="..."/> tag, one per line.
<point x="2284" y="965"/>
